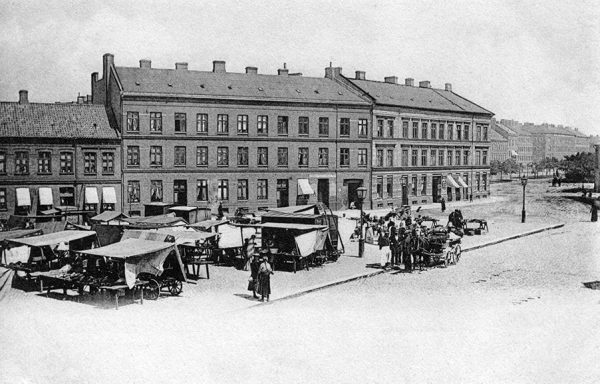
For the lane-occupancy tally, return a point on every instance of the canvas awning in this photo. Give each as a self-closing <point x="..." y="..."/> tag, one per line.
<point x="311" y="242"/>
<point x="109" y="215"/>
<point x="311" y="208"/>
<point x="45" y="196"/>
<point x="304" y="187"/>
<point x="109" y="195"/>
<point x="462" y="182"/>
<point x="452" y="182"/>
<point x="91" y="195"/>
<point x="51" y="239"/>
<point x="232" y="236"/>
<point x="23" y="197"/>
<point x="292" y="226"/>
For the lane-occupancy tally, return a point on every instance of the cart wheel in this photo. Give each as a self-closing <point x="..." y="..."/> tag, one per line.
<point x="175" y="287"/>
<point x="152" y="290"/>
<point x="457" y="251"/>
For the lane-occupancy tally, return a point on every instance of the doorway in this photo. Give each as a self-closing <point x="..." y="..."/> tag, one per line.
<point x="180" y="192"/>
<point x="323" y="191"/>
<point x="283" y="193"/>
<point x="353" y="185"/>
<point x="404" y="190"/>
<point x="449" y="193"/>
<point x="436" y="188"/>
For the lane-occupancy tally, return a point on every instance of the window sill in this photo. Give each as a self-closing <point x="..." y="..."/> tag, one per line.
<point x="179" y="165"/>
<point x="303" y="134"/>
<point x="242" y="133"/>
<point x="156" y="165"/>
<point x="21" y="174"/>
<point x="282" y="134"/>
<point x="201" y="165"/>
<point x="223" y="133"/>
<point x="44" y="173"/>
<point x="128" y="166"/>
<point x="181" y="133"/>
<point x="202" y="133"/>
<point x="345" y="136"/>
<point x="90" y="174"/>
<point x="222" y="165"/>
<point x="242" y="165"/>
<point x="108" y="173"/>
<point x="323" y="165"/>
<point x="282" y="166"/>
<point x="156" y="133"/>
<point x="66" y="174"/>
<point x="134" y="132"/>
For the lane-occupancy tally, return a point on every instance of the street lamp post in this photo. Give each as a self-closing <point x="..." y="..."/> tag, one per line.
<point x="361" y="194"/>
<point x="523" y="183"/>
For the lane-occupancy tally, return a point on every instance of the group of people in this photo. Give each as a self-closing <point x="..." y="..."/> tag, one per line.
<point x="259" y="282"/>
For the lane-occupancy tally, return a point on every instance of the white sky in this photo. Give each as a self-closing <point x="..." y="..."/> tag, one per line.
<point x="536" y="61"/>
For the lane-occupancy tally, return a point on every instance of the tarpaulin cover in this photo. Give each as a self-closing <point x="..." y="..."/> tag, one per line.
<point x="309" y="209"/>
<point x="52" y="239"/>
<point x="45" y="196"/>
<point x="230" y="236"/>
<point x="17" y="254"/>
<point x="289" y="215"/>
<point x="109" y="195"/>
<point x="292" y="226"/>
<point x="23" y="197"/>
<point x="187" y="237"/>
<point x="107" y="234"/>
<point x="461" y="181"/>
<point x="18" y="233"/>
<point x="109" y="215"/>
<point x="91" y="195"/>
<point x="452" y="182"/>
<point x="51" y="226"/>
<point x="144" y="235"/>
<point x="310" y="242"/>
<point x="304" y="187"/>
<point x="208" y="225"/>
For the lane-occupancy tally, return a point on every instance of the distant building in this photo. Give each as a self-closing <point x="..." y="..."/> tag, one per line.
<point x="498" y="145"/>
<point x="519" y="142"/>
<point x="556" y="141"/>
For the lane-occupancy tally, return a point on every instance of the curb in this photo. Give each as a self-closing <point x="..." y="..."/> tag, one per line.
<point x="502" y="240"/>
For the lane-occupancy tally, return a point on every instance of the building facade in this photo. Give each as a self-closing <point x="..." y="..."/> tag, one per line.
<point x="249" y="140"/>
<point x="498" y="145"/>
<point x="520" y="142"/>
<point x="63" y="156"/>
<point x="556" y="141"/>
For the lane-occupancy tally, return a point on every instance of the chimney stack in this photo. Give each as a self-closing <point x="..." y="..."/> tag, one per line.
<point x="146" y="63"/>
<point x="219" y="66"/>
<point x="391" y="79"/>
<point x="181" y="66"/>
<point x="23" y="97"/>
<point x="333" y="72"/>
<point x="80" y="99"/>
<point x="424" y="84"/>
<point x="360" y="75"/>
<point x="108" y="59"/>
<point x="409" y="81"/>
<point x="448" y="87"/>
<point x="252" y="70"/>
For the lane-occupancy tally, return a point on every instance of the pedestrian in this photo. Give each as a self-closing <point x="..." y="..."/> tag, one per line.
<point x="594" y="210"/>
<point x="264" y="279"/>
<point x="220" y="211"/>
<point x="471" y="198"/>
<point x="253" y="280"/>
<point x="249" y="248"/>
<point x="443" y="205"/>
<point x="559" y="181"/>
<point x="384" y="249"/>
<point x="394" y="246"/>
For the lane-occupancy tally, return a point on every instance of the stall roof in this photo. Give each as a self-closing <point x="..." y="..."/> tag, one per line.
<point x="295" y="209"/>
<point x="289" y="215"/>
<point x="18" y="233"/>
<point x="187" y="237"/>
<point x="53" y="238"/>
<point x="129" y="248"/>
<point x="163" y="220"/>
<point x="206" y="224"/>
<point x="299" y="227"/>
<point x="109" y="215"/>
<point x="182" y="208"/>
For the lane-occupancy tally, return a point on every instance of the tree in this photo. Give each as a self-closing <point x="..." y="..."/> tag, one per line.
<point x="509" y="166"/>
<point x="495" y="167"/>
<point x="579" y="167"/>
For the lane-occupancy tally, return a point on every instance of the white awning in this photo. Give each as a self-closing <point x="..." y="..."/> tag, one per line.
<point x="109" y="195"/>
<point x="452" y="182"/>
<point x="514" y="154"/>
<point x="23" y="197"/>
<point x="462" y="182"/>
<point x="91" y="195"/>
<point x="304" y="187"/>
<point x="46" y="196"/>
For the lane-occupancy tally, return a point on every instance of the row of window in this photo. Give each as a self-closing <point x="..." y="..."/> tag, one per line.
<point x="65" y="166"/>
<point x="434" y="130"/>
<point x="242" y="124"/>
<point x="420" y="184"/>
<point x="66" y="196"/>
<point x="431" y="157"/>
<point x="243" y="155"/>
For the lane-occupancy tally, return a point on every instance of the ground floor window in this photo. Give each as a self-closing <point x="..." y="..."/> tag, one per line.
<point x="414" y="185"/>
<point x="133" y="191"/>
<point x="390" y="186"/>
<point x="262" y="191"/>
<point x="423" y="185"/>
<point x="67" y="196"/>
<point x="202" y="190"/>
<point x="3" y="205"/>
<point x="379" y="187"/>
<point x="242" y="189"/>
<point x="223" y="189"/>
<point x="156" y="190"/>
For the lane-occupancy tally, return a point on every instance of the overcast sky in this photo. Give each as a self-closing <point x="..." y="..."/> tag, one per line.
<point x="536" y="61"/>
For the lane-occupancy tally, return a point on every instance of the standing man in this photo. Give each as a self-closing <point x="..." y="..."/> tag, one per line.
<point x="594" y="210"/>
<point x="443" y="205"/>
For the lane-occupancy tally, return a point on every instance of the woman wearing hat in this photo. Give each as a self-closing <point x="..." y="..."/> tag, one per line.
<point x="253" y="281"/>
<point x="264" y="279"/>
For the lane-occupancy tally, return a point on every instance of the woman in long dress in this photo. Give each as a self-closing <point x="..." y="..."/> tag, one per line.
<point x="253" y="281"/>
<point x="264" y="279"/>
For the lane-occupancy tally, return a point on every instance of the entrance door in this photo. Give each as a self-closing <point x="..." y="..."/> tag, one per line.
<point x="323" y="191"/>
<point x="404" y="190"/>
<point x="180" y="192"/>
<point x="457" y="194"/>
<point x="449" y="193"/>
<point x="436" y="188"/>
<point x="283" y="193"/>
<point x="353" y="185"/>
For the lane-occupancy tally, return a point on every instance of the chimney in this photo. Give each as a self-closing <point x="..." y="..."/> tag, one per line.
<point x="333" y="72"/>
<point x="424" y="84"/>
<point x="219" y="66"/>
<point x="80" y="99"/>
<point x="409" y="81"/>
<point x="146" y="63"/>
<point x="391" y="79"/>
<point x="23" y="97"/>
<point x="283" y="71"/>
<point x="181" y="66"/>
<point x="252" y="70"/>
<point x="107" y="60"/>
<point x="448" y="87"/>
<point x="94" y="77"/>
<point x="360" y="75"/>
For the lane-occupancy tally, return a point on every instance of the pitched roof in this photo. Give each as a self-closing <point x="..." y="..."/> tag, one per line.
<point x="44" y="120"/>
<point x="417" y="97"/>
<point x="228" y="85"/>
<point x="545" y="129"/>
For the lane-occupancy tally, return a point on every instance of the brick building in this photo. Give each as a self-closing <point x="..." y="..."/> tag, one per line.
<point x="241" y="139"/>
<point x="63" y="156"/>
<point x="428" y="143"/>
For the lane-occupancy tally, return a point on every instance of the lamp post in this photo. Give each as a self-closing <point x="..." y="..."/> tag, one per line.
<point x="361" y="194"/>
<point x="523" y="183"/>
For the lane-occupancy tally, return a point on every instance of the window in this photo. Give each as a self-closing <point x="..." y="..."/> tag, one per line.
<point x="156" y="155"/>
<point x="379" y="188"/>
<point x="423" y="185"/>
<point x="477" y="157"/>
<point x="2" y="162"/>
<point x="21" y="163"/>
<point x="414" y="185"/>
<point x="303" y="157"/>
<point x="242" y="156"/>
<point x="441" y="131"/>
<point x="202" y="190"/>
<point x="465" y="157"/>
<point x="363" y="127"/>
<point x="390" y="124"/>
<point x="89" y="163"/>
<point x="262" y="190"/>
<point x="362" y="157"/>
<point x="344" y="157"/>
<point x="485" y="133"/>
<point x="404" y="158"/>
<point x="3" y="205"/>
<point x="484" y="158"/>
<point x="180" y="123"/>
<point x="379" y="132"/>
<point x="133" y="191"/>
<point x="223" y="189"/>
<point x="478" y="180"/>
<point x="433" y="155"/>
<point x="242" y="124"/>
<point x="201" y="156"/>
<point x="262" y="124"/>
<point x="222" y="156"/>
<point x="133" y="121"/>
<point x="415" y="130"/>
<point x="449" y="158"/>
<point x="222" y="124"/>
<point x="323" y="126"/>
<point x="242" y="189"/>
<point x="414" y="157"/>
<point x="202" y="123"/>
<point x="390" y="157"/>
<point x="478" y="137"/>
<point x="180" y="153"/>
<point x="380" y="157"/>
<point x="344" y="126"/>
<point x="466" y="132"/>
<point x="133" y="157"/>
<point x="405" y="129"/>
<point x="390" y="186"/>
<point x="433" y="131"/>
<point x="323" y="157"/>
<point x="450" y="129"/>
<point x="424" y="127"/>
<point x="108" y="162"/>
<point x="282" y="156"/>
<point x="67" y="196"/>
<point x="44" y="163"/>
<point x="423" y="157"/>
<point x="262" y="156"/>
<point x="484" y="181"/>
<point x="441" y="157"/>
<point x="282" y="125"/>
<point x="458" y="156"/>
<point x="303" y="125"/>
<point x="466" y="178"/>
<point x="155" y="122"/>
<point x="156" y="190"/>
